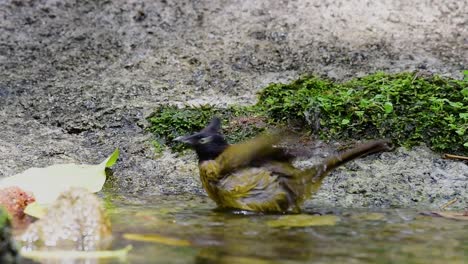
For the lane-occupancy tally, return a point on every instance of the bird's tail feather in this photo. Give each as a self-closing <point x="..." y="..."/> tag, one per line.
<point x="367" y="148"/>
<point x="317" y="173"/>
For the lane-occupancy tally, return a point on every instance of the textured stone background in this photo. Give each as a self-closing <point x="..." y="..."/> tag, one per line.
<point x="78" y="78"/>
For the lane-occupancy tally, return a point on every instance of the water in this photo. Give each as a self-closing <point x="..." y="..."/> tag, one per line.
<point x="190" y="231"/>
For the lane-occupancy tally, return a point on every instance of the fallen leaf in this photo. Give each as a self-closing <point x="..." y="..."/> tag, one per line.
<point x="73" y="254"/>
<point x="35" y="210"/>
<point x="303" y="220"/>
<point x="47" y="183"/>
<point x="449" y="215"/>
<point x="155" y="238"/>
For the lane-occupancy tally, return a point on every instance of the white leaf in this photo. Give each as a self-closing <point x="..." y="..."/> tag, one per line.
<point x="47" y="183"/>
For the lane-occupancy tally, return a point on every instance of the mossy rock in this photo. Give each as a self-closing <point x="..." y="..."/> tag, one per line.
<point x="409" y="108"/>
<point x="8" y="253"/>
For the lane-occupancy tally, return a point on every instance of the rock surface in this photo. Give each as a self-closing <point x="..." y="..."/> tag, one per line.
<point x="402" y="178"/>
<point x="78" y="78"/>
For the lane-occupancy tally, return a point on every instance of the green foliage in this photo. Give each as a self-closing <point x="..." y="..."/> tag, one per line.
<point x="405" y="107"/>
<point x="4" y="219"/>
<point x="158" y="147"/>
<point x="408" y="108"/>
<point x="8" y="251"/>
<point x="168" y="122"/>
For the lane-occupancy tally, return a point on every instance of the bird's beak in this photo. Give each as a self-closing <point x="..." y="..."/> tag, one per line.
<point x="184" y="139"/>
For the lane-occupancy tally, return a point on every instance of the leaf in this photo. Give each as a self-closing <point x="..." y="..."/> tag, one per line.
<point x="463" y="115"/>
<point x="112" y="159"/>
<point x="359" y="113"/>
<point x="465" y="91"/>
<point x="47" y="183"/>
<point x="303" y="220"/>
<point x="460" y="131"/>
<point x="345" y="121"/>
<point x="72" y="254"/>
<point x="456" y="104"/>
<point x="465" y="145"/>
<point x="155" y="238"/>
<point x="35" y="210"/>
<point x="388" y="106"/>
<point x="451" y="215"/>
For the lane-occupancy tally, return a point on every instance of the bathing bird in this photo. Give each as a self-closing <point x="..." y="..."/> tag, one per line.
<point x="257" y="175"/>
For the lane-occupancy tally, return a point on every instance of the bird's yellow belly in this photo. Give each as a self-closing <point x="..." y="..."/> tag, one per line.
<point x="253" y="189"/>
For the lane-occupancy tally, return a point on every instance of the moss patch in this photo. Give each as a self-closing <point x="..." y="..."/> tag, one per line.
<point x="168" y="122"/>
<point x="406" y="107"/>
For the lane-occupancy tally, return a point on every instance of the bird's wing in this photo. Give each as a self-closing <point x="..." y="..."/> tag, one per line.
<point x="277" y="154"/>
<point x="256" y="149"/>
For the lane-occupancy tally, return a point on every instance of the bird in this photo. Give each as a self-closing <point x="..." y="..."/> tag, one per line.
<point x="257" y="175"/>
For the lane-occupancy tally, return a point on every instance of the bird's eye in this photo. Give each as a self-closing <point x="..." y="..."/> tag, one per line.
<point x="205" y="140"/>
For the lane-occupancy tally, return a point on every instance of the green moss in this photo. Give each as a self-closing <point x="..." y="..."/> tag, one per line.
<point x="158" y="147"/>
<point x="168" y="122"/>
<point x="8" y="252"/>
<point x="406" y="107"/>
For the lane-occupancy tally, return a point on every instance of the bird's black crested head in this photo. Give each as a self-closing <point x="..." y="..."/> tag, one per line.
<point x="208" y="143"/>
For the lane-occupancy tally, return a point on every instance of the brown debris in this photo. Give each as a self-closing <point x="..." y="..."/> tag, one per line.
<point x="15" y="201"/>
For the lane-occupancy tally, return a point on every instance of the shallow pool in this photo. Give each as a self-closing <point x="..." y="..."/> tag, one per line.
<point x="186" y="229"/>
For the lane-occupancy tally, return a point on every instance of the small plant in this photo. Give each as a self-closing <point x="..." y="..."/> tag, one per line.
<point x="158" y="147"/>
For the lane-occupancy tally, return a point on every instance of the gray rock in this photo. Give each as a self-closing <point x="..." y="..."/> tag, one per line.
<point x="400" y="179"/>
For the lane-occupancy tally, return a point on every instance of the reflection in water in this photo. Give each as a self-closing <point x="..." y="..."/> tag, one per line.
<point x="246" y="239"/>
<point x="388" y="236"/>
<point x="257" y="250"/>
